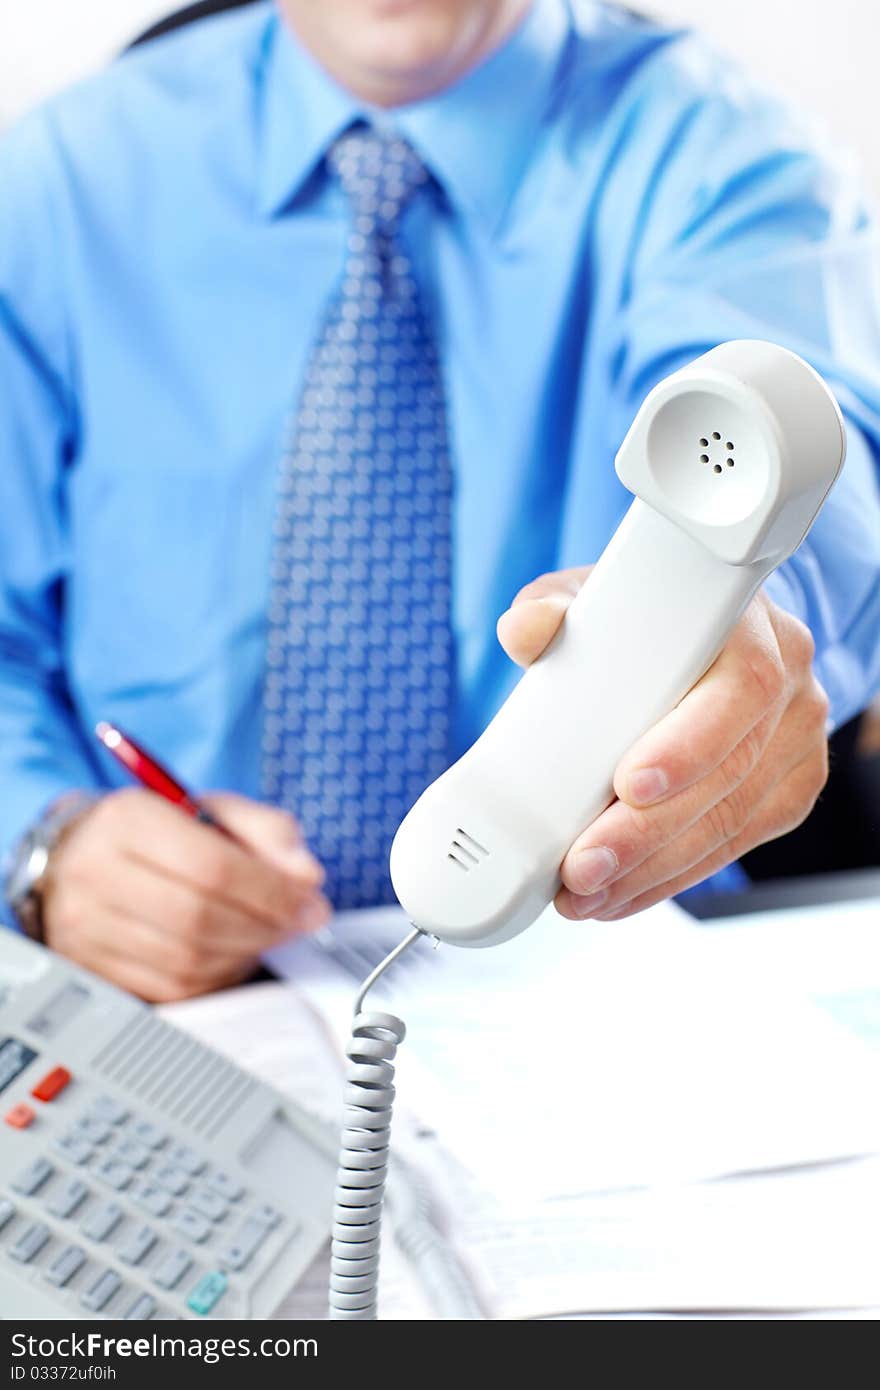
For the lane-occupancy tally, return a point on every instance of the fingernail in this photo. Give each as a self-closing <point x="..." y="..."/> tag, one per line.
<point x="593" y="867"/>
<point x="647" y="785"/>
<point x="585" y="907"/>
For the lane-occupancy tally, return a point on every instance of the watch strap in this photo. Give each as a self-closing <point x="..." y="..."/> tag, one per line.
<point x="32" y="859"/>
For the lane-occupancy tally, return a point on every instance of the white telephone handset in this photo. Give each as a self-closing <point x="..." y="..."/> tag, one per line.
<point x="730" y="460"/>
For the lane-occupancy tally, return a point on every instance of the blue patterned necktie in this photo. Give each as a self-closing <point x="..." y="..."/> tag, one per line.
<point x="360" y="654"/>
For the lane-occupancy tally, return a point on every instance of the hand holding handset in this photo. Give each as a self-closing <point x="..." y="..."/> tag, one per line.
<point x="730" y="460"/>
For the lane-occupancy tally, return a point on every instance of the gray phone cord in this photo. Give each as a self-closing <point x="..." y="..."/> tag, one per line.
<point x="363" y="1159"/>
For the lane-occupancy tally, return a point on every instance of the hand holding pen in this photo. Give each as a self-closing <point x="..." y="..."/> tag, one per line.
<point x="168" y="894"/>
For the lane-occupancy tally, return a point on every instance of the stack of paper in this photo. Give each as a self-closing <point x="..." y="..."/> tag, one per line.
<point x="578" y="1059"/>
<point x="803" y="1239"/>
<point x="588" y="1077"/>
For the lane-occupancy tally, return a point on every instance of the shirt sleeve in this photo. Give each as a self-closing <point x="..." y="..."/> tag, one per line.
<point x="42" y="749"/>
<point x="747" y="227"/>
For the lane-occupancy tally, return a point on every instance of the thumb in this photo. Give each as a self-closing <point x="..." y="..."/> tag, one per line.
<point x="536" y="613"/>
<point x="269" y="831"/>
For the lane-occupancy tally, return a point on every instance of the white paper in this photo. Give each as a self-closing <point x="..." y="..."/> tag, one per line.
<point x="782" y="1242"/>
<point x="588" y="1058"/>
<point x="718" y="1020"/>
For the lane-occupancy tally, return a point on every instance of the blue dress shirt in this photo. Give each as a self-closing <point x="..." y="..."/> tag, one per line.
<point x="611" y="200"/>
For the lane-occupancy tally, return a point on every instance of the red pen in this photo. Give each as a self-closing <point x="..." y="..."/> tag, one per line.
<point x="155" y="777"/>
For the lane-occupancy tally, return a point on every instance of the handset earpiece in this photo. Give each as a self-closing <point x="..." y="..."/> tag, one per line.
<point x="730" y="459"/>
<point x="739" y="449"/>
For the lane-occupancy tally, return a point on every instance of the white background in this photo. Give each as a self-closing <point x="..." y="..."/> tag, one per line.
<point x="823" y="53"/>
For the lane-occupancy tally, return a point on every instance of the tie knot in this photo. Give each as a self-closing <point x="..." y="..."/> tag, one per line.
<point x="379" y="172"/>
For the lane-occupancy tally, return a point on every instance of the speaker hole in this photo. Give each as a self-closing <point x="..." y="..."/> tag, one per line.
<point x="704" y="458"/>
<point x="728" y="445"/>
<point x="470" y="841"/>
<point x="704" y="443"/>
<point x="717" y="468"/>
<point x="715" y="434"/>
<point x="462" y="850"/>
<point x="731" y="462"/>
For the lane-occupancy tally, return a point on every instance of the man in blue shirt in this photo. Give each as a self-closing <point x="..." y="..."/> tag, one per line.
<point x="594" y="201"/>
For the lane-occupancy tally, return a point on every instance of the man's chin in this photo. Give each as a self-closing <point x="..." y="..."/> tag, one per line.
<point x="398" y="51"/>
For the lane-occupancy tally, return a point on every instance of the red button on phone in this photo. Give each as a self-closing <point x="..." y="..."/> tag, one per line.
<point x="20" y="1116"/>
<point x="53" y="1082"/>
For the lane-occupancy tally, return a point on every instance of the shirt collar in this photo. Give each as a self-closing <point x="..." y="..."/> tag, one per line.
<point x="476" y="136"/>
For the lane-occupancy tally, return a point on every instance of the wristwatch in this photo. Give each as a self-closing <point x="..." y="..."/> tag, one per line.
<point x="28" y="865"/>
